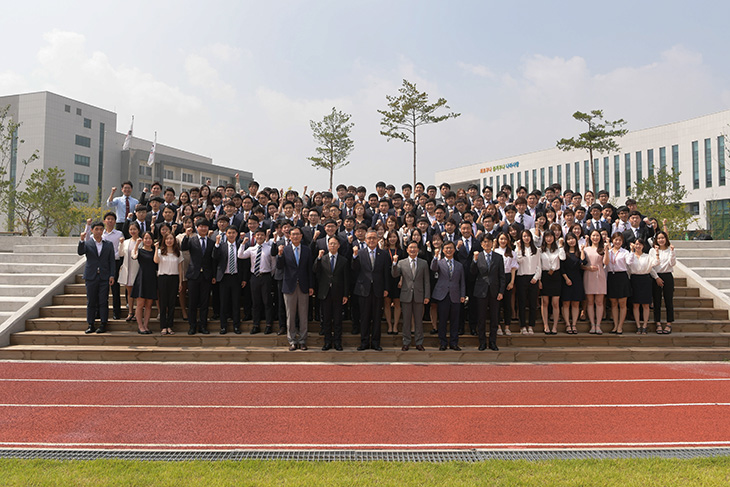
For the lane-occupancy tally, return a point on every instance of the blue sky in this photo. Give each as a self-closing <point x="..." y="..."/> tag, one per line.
<point x="239" y="81"/>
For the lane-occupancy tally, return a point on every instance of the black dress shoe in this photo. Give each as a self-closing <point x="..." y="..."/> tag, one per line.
<point x="90" y="329"/>
<point x="420" y="348"/>
<point x="356" y="331"/>
<point x="326" y="347"/>
<point x="338" y="347"/>
<point x="493" y="346"/>
<point x="433" y="332"/>
<point x="303" y="346"/>
<point x="102" y="328"/>
<point x="404" y="348"/>
<point x="442" y="348"/>
<point x="321" y="332"/>
<point x="361" y="348"/>
<point x="116" y="316"/>
<point x="267" y="330"/>
<point x="255" y="329"/>
<point x="281" y="331"/>
<point x="455" y="347"/>
<point x="292" y="347"/>
<point x="237" y="330"/>
<point x="223" y="331"/>
<point x="191" y="330"/>
<point x="482" y="347"/>
<point x="204" y="331"/>
<point x="215" y="317"/>
<point x="378" y="349"/>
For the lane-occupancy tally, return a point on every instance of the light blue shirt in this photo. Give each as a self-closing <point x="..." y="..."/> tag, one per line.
<point x="120" y="204"/>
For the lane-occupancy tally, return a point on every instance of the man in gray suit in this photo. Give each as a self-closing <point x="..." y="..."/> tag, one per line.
<point x="450" y="292"/>
<point x="415" y="292"/>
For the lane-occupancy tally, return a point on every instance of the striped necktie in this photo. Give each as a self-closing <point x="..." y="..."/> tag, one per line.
<point x="257" y="262"/>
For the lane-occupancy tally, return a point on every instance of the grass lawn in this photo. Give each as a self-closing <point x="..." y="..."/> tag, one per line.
<point x="625" y="473"/>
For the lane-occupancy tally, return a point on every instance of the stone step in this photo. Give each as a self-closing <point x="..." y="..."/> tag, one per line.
<point x="28" y="290"/>
<point x="46" y="248"/>
<point x="701" y="244"/>
<point x="720" y="282"/>
<point x="28" y="279"/>
<point x="132" y="338"/>
<point x="13" y="303"/>
<point x="79" y="325"/>
<point x="388" y="355"/>
<point x="50" y="258"/>
<point x="4" y="315"/>
<point x="711" y="272"/>
<point x="33" y="268"/>
<point x="707" y="261"/>
<point x="683" y="253"/>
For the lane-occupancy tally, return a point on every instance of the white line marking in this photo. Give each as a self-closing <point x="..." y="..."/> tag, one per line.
<point x="305" y="381"/>
<point x="360" y="406"/>
<point x="369" y="364"/>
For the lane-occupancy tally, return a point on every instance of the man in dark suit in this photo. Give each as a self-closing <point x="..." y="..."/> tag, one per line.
<point x="296" y="261"/>
<point x="98" y="276"/>
<point x="199" y="275"/>
<point x="415" y="293"/>
<point x="372" y="268"/>
<point x="332" y="272"/>
<point x="637" y="232"/>
<point x="465" y="245"/>
<point x="141" y="217"/>
<point x="229" y="277"/>
<point x="488" y="267"/>
<point x="450" y="292"/>
<point x="595" y="222"/>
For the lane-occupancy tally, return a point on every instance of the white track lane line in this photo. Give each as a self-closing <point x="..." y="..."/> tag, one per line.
<point x="396" y="382"/>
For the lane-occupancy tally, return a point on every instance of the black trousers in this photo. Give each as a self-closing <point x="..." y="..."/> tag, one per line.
<point x="97" y="300"/>
<point x="667" y="292"/>
<point x="261" y="298"/>
<point x="116" y="296"/>
<point x="354" y="305"/>
<point x="469" y="311"/>
<point x="448" y="319"/>
<point x="506" y="304"/>
<point x="280" y="306"/>
<point x="331" y="309"/>
<point x="229" y="293"/>
<point x="167" y="286"/>
<point x="526" y="297"/>
<point x="216" y="303"/>
<point x="487" y="306"/>
<point x="371" y="311"/>
<point x="198" y="300"/>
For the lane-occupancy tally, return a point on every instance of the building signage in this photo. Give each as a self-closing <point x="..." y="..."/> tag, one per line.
<point x="500" y="167"/>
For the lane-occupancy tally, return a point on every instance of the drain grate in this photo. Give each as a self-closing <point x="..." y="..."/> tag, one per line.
<point x="432" y="456"/>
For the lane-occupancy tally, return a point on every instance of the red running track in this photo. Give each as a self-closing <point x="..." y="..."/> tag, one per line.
<point x="382" y="406"/>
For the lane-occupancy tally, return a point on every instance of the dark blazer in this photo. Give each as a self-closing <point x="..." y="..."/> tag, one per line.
<point x="367" y="274"/>
<point x="220" y="255"/>
<point x="467" y="257"/>
<point x="644" y="234"/>
<point x="293" y="272"/>
<point x="490" y="279"/>
<point x="602" y="225"/>
<point x="308" y="233"/>
<point x="147" y="222"/>
<point x="413" y="288"/>
<point x="100" y="266"/>
<point x="198" y="259"/>
<point x="338" y="283"/>
<point x="321" y="244"/>
<point x="454" y="286"/>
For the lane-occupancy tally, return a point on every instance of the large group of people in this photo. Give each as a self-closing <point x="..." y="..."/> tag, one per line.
<point x="424" y="254"/>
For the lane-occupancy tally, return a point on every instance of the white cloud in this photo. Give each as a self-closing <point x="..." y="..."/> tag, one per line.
<point x="202" y="74"/>
<point x="476" y="69"/>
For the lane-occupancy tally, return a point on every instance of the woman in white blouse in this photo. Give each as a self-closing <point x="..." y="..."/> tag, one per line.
<point x="619" y="285"/>
<point x="526" y="282"/>
<point x="663" y="285"/>
<point x="130" y="267"/>
<point x="169" y="262"/>
<point x="550" y="279"/>
<point x="641" y="294"/>
<point x="504" y="248"/>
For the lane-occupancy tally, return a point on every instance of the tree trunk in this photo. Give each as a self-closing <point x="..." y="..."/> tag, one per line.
<point x="414" y="157"/>
<point x="331" y="174"/>
<point x="593" y="172"/>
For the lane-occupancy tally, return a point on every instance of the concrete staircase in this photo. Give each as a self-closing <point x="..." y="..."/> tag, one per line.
<point x="710" y="259"/>
<point x="29" y="265"/>
<point x="701" y="332"/>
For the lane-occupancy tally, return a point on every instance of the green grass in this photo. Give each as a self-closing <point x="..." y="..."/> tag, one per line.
<point x="704" y="472"/>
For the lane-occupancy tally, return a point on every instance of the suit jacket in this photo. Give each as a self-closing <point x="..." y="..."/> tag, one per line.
<point x="413" y="287"/>
<point x="220" y="255"/>
<point x="199" y="260"/>
<point x="293" y="272"/>
<point x="308" y="233"/>
<point x="467" y="257"/>
<point x="147" y="225"/>
<point x="644" y="234"/>
<point x="367" y="275"/>
<point x="602" y="225"/>
<point x="490" y="279"/>
<point x="321" y="244"/>
<point x="454" y="286"/>
<point x="335" y="283"/>
<point x="100" y="266"/>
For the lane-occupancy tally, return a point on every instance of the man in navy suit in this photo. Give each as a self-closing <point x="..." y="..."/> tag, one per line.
<point x="595" y="222"/>
<point x="297" y="284"/>
<point x="333" y="289"/>
<point x="449" y="292"/>
<point x="371" y="265"/>
<point x="488" y="267"/>
<point x="229" y="276"/>
<point x="98" y="276"/>
<point x="199" y="275"/>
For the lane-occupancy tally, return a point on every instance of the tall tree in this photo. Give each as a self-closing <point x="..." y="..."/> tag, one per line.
<point x="12" y="170"/>
<point x="408" y="111"/>
<point x="600" y="137"/>
<point x="661" y="196"/>
<point x="335" y="145"/>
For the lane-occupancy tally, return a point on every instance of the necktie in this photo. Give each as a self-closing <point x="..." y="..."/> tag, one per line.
<point x="466" y="244"/>
<point x="231" y="258"/>
<point x="332" y="263"/>
<point x="450" y="264"/>
<point x="489" y="259"/>
<point x="257" y="262"/>
<point x="142" y="225"/>
<point x="413" y="267"/>
<point x="372" y="258"/>
<point x="296" y="254"/>
<point x="127" y="201"/>
<point x="202" y="243"/>
<point x="522" y="219"/>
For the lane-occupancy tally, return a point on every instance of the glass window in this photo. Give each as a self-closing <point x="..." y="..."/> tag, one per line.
<point x="80" y="196"/>
<point x="708" y="163"/>
<point x="83" y="141"/>
<point x="87" y="123"/>
<point x="587" y="174"/>
<point x="519" y="179"/>
<point x="627" y="172"/>
<point x="81" y="178"/>
<point x="617" y="175"/>
<point x="560" y="174"/>
<point x="662" y="158"/>
<point x="188" y="178"/>
<point x="639" y="167"/>
<point x="675" y="159"/>
<point x="67" y="108"/>
<point x="496" y="188"/>
<point x="223" y="182"/>
<point x="491" y="182"/>
<point x="550" y="175"/>
<point x="577" y="176"/>
<point x="650" y="161"/>
<point x="527" y="180"/>
<point x="542" y="178"/>
<point x="606" y="173"/>
<point x="694" y="208"/>
<point x="534" y="179"/>
<point x="168" y="174"/>
<point x="78" y="111"/>
<point x="695" y="165"/>
<point x="511" y="180"/>
<point x="597" y="172"/>
<point x="80" y="160"/>
<point x="145" y="170"/>
<point x="567" y="176"/>
<point x="721" y="159"/>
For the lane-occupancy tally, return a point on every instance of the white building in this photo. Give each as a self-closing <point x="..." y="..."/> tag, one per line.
<point x="696" y="148"/>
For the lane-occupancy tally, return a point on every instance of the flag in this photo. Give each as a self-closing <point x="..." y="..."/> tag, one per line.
<point x="129" y="136"/>
<point x="151" y="159"/>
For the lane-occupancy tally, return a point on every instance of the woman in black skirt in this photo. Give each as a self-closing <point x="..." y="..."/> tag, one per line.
<point x="641" y="291"/>
<point x="551" y="254"/>
<point x="572" y="293"/>
<point x="618" y="287"/>
<point x="145" y="286"/>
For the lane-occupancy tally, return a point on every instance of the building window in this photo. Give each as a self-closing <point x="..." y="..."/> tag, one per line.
<point x="497" y="187"/>
<point x="87" y="123"/>
<point x="567" y="176"/>
<point x="721" y="159"/>
<point x="204" y="179"/>
<point x="83" y="141"/>
<point x="650" y="161"/>
<point x="534" y="179"/>
<point x="695" y="165"/>
<point x="550" y="175"/>
<point x="597" y="173"/>
<point x="188" y="178"/>
<point x="586" y="174"/>
<point x="527" y="180"/>
<point x="145" y="170"/>
<point x="639" y="167"/>
<point x="675" y="159"/>
<point x="560" y="175"/>
<point x="78" y="111"/>
<point x="67" y="108"/>
<point x="577" y="176"/>
<point x="627" y="173"/>
<point x="80" y="160"/>
<point x="617" y="175"/>
<point x="708" y="163"/>
<point x="511" y="180"/>
<point x="491" y="183"/>
<point x="693" y="208"/>
<point x="80" y="196"/>
<point x="81" y="178"/>
<point x="662" y="158"/>
<point x="519" y="179"/>
<point x="542" y="178"/>
<point x="168" y="174"/>
<point x="606" y="173"/>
